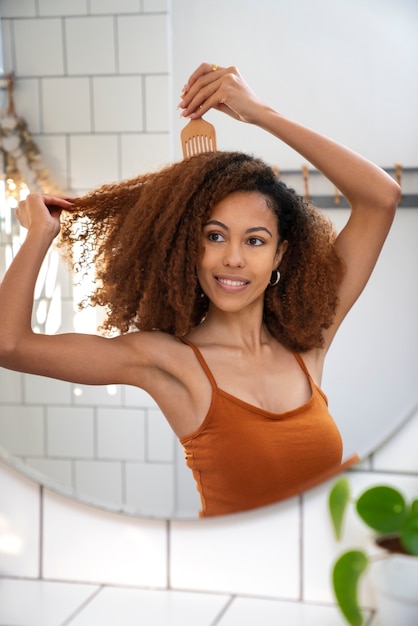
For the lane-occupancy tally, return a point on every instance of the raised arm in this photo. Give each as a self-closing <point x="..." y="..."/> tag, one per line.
<point x="75" y="357"/>
<point x="372" y="194"/>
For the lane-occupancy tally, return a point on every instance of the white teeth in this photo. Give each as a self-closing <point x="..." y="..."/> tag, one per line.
<point x="232" y="283"/>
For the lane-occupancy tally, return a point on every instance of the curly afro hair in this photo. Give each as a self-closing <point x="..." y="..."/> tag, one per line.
<point x="143" y="237"/>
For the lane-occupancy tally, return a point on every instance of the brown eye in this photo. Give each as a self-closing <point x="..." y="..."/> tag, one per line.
<point x="255" y="241"/>
<point x="216" y="237"/>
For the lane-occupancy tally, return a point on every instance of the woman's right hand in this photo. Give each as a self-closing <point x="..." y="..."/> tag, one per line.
<point x="42" y="211"/>
<point x="223" y="89"/>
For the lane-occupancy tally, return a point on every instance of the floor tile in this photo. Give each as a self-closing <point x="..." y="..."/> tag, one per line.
<point x="248" y="611"/>
<point x="40" y="603"/>
<point x="132" y="607"/>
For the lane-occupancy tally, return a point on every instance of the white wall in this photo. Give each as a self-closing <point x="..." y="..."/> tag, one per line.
<point x="345" y="67"/>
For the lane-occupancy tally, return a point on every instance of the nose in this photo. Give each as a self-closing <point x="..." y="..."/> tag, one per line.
<point x="234" y="255"/>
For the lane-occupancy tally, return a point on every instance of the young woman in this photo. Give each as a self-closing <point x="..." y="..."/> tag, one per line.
<point x="226" y="290"/>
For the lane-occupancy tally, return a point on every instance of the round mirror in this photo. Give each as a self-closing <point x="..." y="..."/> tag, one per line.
<point x="110" y="446"/>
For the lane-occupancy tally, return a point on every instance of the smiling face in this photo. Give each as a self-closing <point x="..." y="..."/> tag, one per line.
<point x="240" y="243"/>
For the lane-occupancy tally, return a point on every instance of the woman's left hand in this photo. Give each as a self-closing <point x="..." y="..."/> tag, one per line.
<point x="220" y="88"/>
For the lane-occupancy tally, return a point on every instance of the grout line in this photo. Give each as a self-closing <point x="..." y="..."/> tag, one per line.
<point x="301" y="547"/>
<point x="116" y="43"/>
<point x="168" y="532"/>
<point x="64" y="45"/>
<point x="12" y="43"/>
<point x="68" y="186"/>
<point x="91" y="105"/>
<point x="46" y="424"/>
<point x="41" y="531"/>
<point x="82" y="606"/>
<point x="40" y="104"/>
<point x="119" y="155"/>
<point x="95" y="434"/>
<point x="223" y="611"/>
<point x="144" y="102"/>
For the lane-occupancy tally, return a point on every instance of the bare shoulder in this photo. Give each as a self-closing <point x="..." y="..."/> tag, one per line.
<point x="171" y="376"/>
<point x="160" y="358"/>
<point x="158" y="349"/>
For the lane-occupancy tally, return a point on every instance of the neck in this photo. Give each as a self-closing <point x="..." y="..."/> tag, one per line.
<point x="243" y="328"/>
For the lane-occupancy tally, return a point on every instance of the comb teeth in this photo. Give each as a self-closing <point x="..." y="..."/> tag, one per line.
<point x="198" y="144"/>
<point x="197" y="137"/>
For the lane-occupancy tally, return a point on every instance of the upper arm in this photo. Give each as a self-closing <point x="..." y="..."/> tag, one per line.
<point x="359" y="245"/>
<point x="86" y="359"/>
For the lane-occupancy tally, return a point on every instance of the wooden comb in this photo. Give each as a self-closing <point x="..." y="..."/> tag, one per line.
<point x="197" y="137"/>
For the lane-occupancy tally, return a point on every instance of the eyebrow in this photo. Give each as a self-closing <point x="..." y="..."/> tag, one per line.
<point x="254" y="229"/>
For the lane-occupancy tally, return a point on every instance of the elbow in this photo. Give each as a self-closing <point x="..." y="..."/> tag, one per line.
<point x="8" y="354"/>
<point x="392" y="198"/>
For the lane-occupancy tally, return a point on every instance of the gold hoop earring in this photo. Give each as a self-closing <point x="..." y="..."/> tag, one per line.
<point x="274" y="280"/>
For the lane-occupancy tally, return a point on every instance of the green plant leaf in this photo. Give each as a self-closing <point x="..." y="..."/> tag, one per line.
<point x="409" y="534"/>
<point x="337" y="502"/>
<point x="346" y="574"/>
<point x="414" y="507"/>
<point x="382" y="508"/>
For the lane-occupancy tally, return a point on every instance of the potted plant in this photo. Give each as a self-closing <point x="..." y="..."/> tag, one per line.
<point x="395" y="569"/>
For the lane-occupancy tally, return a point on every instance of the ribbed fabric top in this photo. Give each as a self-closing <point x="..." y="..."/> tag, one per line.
<point x="244" y="457"/>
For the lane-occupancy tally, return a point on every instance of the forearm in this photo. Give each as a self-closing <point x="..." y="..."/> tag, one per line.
<point x="17" y="290"/>
<point x="362" y="182"/>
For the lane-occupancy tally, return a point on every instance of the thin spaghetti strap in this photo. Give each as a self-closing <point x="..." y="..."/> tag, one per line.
<point x="201" y="360"/>
<point x="302" y="363"/>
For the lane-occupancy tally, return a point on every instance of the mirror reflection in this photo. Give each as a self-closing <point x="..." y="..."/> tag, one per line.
<point x="236" y="330"/>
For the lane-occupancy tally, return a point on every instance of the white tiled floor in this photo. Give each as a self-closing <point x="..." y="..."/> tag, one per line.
<point x="40" y="603"/>
<point x="43" y="603"/>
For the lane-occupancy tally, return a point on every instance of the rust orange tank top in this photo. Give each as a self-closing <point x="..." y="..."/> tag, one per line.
<point x="244" y="457"/>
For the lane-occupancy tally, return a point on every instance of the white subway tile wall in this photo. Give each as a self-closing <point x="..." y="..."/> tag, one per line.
<point x="59" y="471"/>
<point x="22" y="429"/>
<point x="11" y="385"/>
<point x="90" y="45"/>
<point x="143" y="44"/>
<point x="57" y="116"/>
<point x="121" y="434"/>
<point x="135" y="556"/>
<point x="283" y="552"/>
<point x="20" y="549"/>
<point x="111" y="113"/>
<point x="95" y="96"/>
<point x="255" y="553"/>
<point x="102" y="478"/>
<point x="93" y="160"/>
<point x="45" y="60"/>
<point x="139" y="150"/>
<point x="37" y="388"/>
<point x="100" y="77"/>
<point x="150" y="487"/>
<point x="62" y="7"/>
